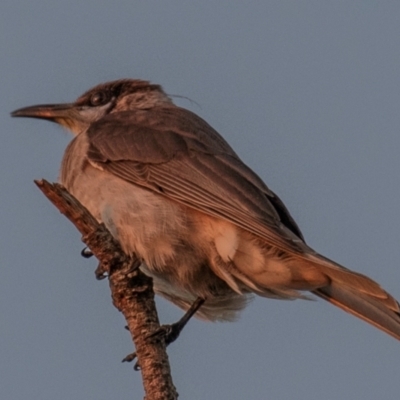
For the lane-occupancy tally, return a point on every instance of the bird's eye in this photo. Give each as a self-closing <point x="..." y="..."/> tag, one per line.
<point x="99" y="99"/>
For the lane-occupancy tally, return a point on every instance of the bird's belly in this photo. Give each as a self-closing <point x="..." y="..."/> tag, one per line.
<point x="177" y="244"/>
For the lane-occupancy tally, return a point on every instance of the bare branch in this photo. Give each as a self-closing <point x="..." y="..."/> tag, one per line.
<point x="131" y="291"/>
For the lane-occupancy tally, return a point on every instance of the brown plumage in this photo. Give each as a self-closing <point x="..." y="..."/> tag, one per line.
<point x="171" y="189"/>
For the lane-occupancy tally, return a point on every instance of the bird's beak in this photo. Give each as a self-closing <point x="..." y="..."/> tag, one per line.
<point x="66" y="114"/>
<point x="52" y="112"/>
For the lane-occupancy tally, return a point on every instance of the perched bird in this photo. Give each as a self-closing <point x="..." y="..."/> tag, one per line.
<point x="206" y="227"/>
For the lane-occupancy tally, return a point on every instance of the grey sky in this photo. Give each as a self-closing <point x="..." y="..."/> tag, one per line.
<point x="307" y="92"/>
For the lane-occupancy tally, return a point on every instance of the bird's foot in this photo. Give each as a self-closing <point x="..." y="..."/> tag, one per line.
<point x="171" y="332"/>
<point x="130" y="358"/>
<point x="100" y="272"/>
<point x="168" y="332"/>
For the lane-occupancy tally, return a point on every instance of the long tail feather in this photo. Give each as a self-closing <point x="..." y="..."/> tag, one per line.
<point x="371" y="309"/>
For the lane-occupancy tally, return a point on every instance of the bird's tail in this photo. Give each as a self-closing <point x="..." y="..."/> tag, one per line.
<point x="360" y="296"/>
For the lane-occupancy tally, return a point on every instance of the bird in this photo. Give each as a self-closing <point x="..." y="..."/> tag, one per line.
<point x="206" y="228"/>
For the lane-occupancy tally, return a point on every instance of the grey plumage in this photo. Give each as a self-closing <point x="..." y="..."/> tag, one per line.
<point x="171" y="189"/>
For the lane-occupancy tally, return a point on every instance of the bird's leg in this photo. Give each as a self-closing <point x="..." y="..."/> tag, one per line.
<point x="170" y="332"/>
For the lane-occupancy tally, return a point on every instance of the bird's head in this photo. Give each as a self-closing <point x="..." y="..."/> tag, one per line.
<point x="106" y="98"/>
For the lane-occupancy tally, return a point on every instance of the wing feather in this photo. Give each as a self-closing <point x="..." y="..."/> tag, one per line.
<point x="174" y="152"/>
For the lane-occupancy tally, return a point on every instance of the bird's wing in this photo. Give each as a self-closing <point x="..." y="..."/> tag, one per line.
<point x="175" y="153"/>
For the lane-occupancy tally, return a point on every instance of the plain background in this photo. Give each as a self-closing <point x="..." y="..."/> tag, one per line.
<point x="307" y="92"/>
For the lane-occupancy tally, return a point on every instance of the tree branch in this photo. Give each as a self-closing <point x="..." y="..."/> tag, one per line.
<point x="131" y="291"/>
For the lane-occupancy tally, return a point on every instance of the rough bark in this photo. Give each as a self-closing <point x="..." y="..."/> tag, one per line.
<point x="131" y="291"/>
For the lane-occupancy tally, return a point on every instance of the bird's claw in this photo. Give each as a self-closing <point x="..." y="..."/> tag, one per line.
<point x="86" y="252"/>
<point x="101" y="272"/>
<point x="130" y="358"/>
<point x="169" y="332"/>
